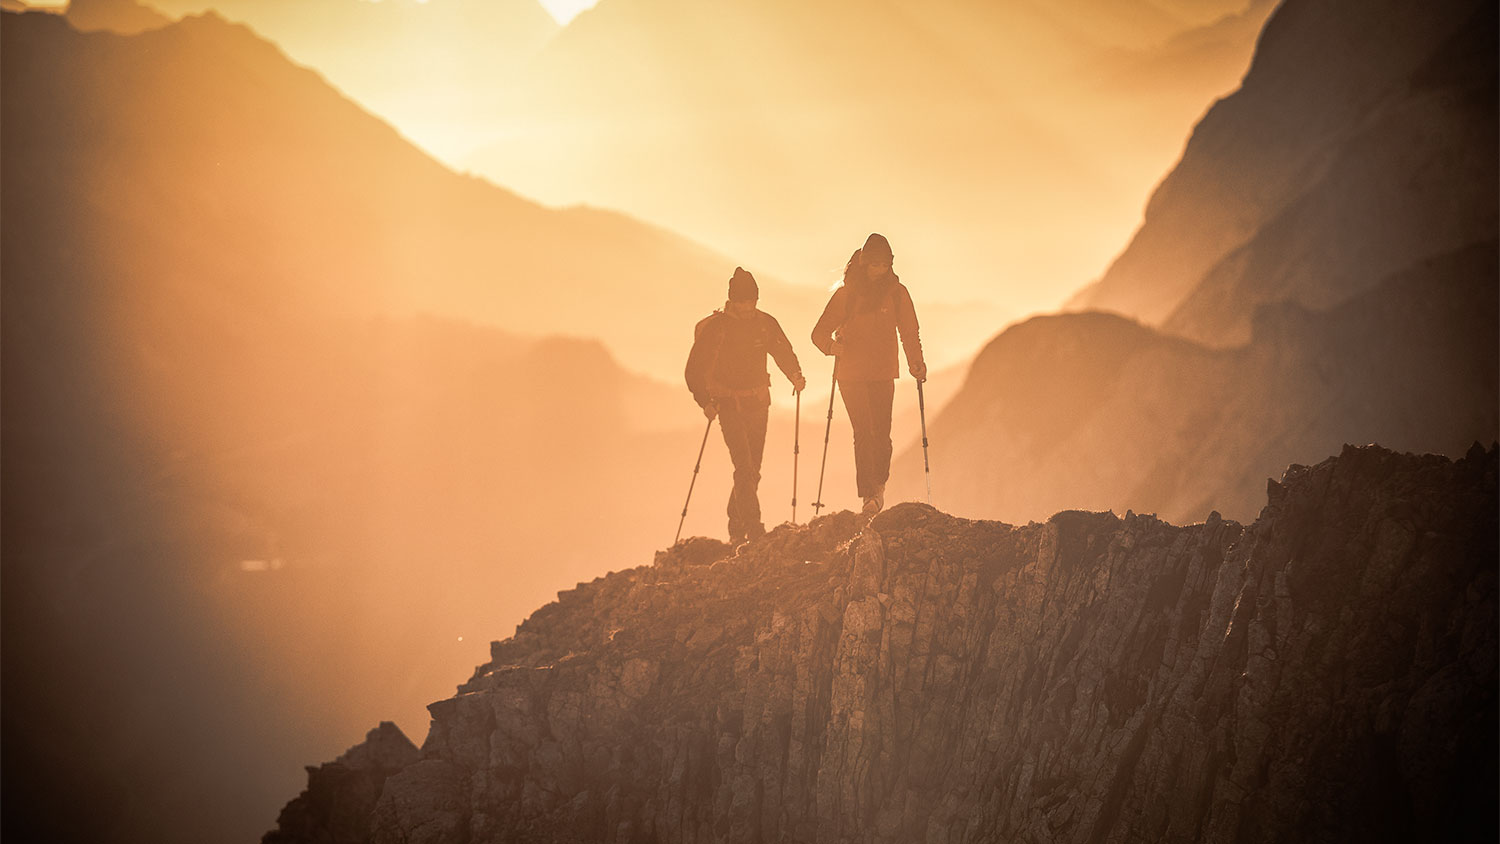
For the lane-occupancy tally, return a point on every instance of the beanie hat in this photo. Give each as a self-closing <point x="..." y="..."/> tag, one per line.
<point x="877" y="247"/>
<point x="742" y="286"/>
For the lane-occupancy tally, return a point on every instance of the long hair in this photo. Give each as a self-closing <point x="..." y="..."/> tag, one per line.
<point x="866" y="292"/>
<point x="854" y="271"/>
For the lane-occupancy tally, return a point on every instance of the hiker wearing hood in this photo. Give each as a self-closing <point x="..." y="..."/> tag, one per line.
<point x="859" y="328"/>
<point x="726" y="372"/>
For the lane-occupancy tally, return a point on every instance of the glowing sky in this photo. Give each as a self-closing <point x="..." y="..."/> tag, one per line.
<point x="566" y="10"/>
<point x="1017" y="168"/>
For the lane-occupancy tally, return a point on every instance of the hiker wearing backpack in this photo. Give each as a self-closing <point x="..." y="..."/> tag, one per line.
<point x="727" y="374"/>
<point x="859" y="328"/>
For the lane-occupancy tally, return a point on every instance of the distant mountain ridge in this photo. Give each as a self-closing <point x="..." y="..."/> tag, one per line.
<point x="1320" y="268"/>
<point x="1359" y="144"/>
<point x="382" y="53"/>
<point x="768" y="149"/>
<point x="228" y="144"/>
<point x="1095" y="411"/>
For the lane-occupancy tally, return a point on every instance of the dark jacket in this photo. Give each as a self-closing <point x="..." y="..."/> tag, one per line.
<point x="866" y="321"/>
<point x="729" y="357"/>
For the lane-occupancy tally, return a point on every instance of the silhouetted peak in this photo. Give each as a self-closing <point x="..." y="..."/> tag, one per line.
<point x="384" y="747"/>
<point x="1081" y="340"/>
<point x="340" y="795"/>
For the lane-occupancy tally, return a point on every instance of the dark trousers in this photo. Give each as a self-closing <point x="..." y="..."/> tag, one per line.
<point x="743" y="422"/>
<point x="869" y="407"/>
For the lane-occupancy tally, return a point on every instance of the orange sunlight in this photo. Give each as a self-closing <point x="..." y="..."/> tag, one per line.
<point x="1008" y="151"/>
<point x="374" y="315"/>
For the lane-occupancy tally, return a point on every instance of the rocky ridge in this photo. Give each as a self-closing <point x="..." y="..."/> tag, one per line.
<point x="1327" y="673"/>
<point x="1360" y="144"/>
<point x="342" y="793"/>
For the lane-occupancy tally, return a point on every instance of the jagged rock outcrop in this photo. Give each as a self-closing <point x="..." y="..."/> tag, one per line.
<point x="341" y="794"/>
<point x="1326" y="674"/>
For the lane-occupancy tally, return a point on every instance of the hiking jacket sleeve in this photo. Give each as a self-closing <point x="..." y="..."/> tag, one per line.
<point x="707" y="338"/>
<point x="833" y="317"/>
<point x="906" y="325"/>
<point x="781" y="350"/>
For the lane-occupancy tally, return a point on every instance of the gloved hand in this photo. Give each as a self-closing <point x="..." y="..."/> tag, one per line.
<point x="799" y="383"/>
<point x="837" y="349"/>
<point x="919" y="372"/>
<point x="710" y="410"/>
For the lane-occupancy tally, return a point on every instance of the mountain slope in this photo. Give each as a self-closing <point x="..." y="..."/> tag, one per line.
<point x="383" y="54"/>
<point x="1320" y="268"/>
<point x="173" y="147"/>
<point x="1097" y="411"/>
<point x="1326" y="674"/>
<point x="1359" y="143"/>
<point x="1413" y="180"/>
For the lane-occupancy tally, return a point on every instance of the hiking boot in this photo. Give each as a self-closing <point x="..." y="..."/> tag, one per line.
<point x="750" y="534"/>
<point x="872" y="505"/>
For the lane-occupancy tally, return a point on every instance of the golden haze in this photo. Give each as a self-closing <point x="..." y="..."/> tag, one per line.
<point x="1006" y="148"/>
<point x="319" y="425"/>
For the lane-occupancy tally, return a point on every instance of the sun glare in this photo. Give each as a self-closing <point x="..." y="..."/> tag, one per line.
<point x="566" y="10"/>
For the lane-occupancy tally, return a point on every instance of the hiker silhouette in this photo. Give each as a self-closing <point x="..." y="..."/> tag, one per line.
<point x="859" y="328"/>
<point x="727" y="374"/>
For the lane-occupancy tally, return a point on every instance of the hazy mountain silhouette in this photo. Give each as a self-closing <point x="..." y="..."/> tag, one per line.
<point x="1098" y="412"/>
<point x="201" y="138"/>
<point x="1361" y="142"/>
<point x="431" y="65"/>
<point x="1356" y="291"/>
<point x="981" y="157"/>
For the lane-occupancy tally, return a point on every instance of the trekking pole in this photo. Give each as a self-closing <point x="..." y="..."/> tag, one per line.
<point x="696" y="466"/>
<point x="926" y="468"/>
<point x="796" y="450"/>
<point x="818" y="504"/>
